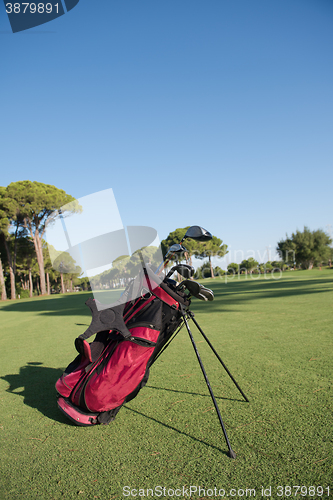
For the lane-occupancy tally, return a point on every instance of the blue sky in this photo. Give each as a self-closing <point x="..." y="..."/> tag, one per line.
<point x="217" y="113"/>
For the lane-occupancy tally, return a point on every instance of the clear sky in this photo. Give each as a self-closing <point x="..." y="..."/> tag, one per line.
<point x="209" y="112"/>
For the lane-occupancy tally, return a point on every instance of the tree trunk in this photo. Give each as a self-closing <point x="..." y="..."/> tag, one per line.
<point x="11" y="270"/>
<point x="71" y="284"/>
<point x="211" y="268"/>
<point x="12" y="284"/>
<point x="62" y="283"/>
<point x="2" y="283"/>
<point x="48" y="283"/>
<point x="40" y="258"/>
<point x="31" y="289"/>
<point x="37" y="286"/>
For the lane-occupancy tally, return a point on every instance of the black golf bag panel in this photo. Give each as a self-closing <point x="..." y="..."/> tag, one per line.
<point x="112" y="369"/>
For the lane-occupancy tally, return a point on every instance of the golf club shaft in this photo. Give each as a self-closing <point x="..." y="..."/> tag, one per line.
<point x="166" y="262"/>
<point x="158" y="270"/>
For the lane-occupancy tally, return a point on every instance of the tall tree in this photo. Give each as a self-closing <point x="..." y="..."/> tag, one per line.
<point x="305" y="248"/>
<point x="287" y="250"/>
<point x="36" y="202"/>
<point x="27" y="263"/>
<point x="11" y="228"/>
<point x="65" y="263"/>
<point x="48" y="267"/>
<point x="2" y="282"/>
<point x="211" y="248"/>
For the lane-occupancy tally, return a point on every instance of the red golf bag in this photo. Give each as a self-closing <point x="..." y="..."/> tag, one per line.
<point x="111" y="370"/>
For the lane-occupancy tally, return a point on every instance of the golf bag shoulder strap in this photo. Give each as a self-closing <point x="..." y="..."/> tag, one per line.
<point x="105" y="319"/>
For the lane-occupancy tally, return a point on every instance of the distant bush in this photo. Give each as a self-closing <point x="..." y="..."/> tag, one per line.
<point x="24" y="294"/>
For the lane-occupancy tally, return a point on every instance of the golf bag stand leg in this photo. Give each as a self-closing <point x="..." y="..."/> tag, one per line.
<point x="231" y="453"/>
<point x="191" y="315"/>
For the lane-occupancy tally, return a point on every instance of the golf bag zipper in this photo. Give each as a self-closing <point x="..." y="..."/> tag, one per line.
<point x="142" y="308"/>
<point x="82" y="398"/>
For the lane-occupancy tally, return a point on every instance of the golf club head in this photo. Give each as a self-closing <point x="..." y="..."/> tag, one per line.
<point x="176" y="248"/>
<point x="198" y="233"/>
<point x="192" y="286"/>
<point x="184" y="270"/>
<point x="205" y="294"/>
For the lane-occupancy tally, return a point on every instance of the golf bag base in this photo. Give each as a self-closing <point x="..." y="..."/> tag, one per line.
<point x="79" y="417"/>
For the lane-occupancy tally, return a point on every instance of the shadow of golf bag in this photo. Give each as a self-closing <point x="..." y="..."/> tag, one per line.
<point x="111" y="370"/>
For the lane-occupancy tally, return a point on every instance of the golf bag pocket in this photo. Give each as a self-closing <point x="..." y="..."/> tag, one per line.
<point x="79" y="367"/>
<point x="119" y="371"/>
<point x="71" y="376"/>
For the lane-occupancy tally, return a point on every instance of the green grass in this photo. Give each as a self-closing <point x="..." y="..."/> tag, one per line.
<point x="275" y="336"/>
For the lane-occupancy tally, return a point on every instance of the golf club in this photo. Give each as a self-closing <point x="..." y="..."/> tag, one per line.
<point x="184" y="270"/>
<point x="194" y="233"/>
<point x="177" y="248"/>
<point x="197" y="290"/>
<point x="192" y="286"/>
<point x="205" y="294"/>
<point x="197" y="233"/>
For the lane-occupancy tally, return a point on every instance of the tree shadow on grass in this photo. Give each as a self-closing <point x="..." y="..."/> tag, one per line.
<point x="232" y="293"/>
<point x="238" y="292"/>
<point x="64" y="305"/>
<point x="35" y="384"/>
<point x="253" y="285"/>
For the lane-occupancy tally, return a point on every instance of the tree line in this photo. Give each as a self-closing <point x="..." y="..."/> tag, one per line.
<point x="26" y="268"/>
<point x="125" y="267"/>
<point x="302" y="250"/>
